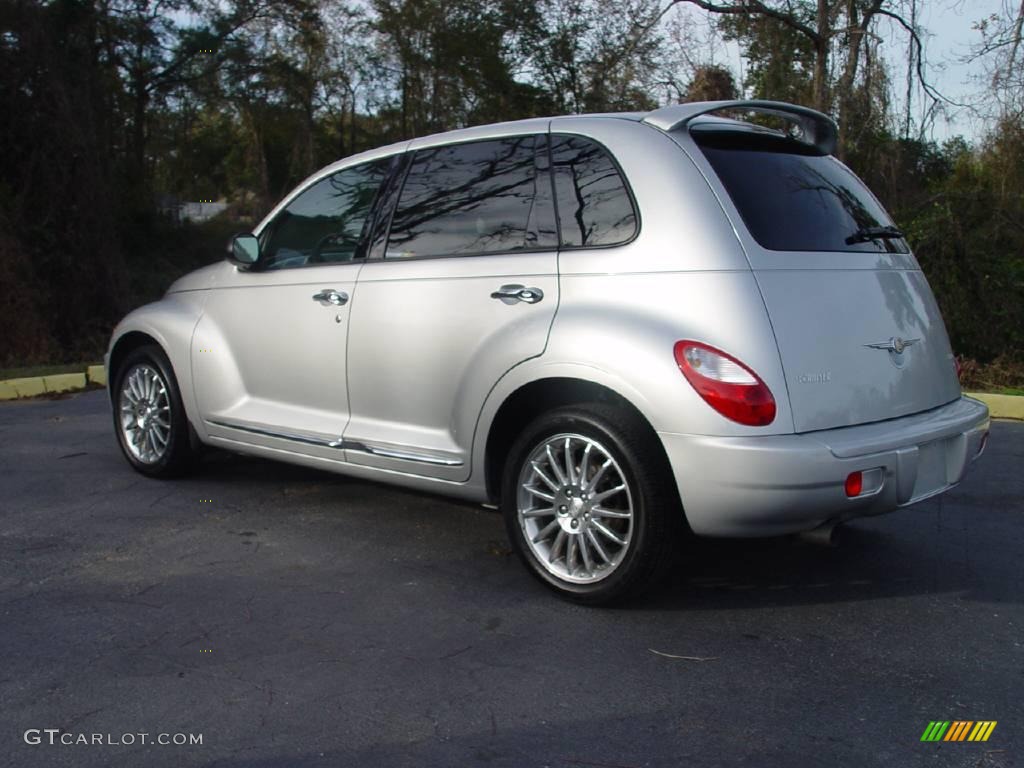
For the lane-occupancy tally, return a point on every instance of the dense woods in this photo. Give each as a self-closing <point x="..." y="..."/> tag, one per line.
<point x="113" y="111"/>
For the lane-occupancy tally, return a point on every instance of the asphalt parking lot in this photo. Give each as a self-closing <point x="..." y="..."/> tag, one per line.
<point x="297" y="618"/>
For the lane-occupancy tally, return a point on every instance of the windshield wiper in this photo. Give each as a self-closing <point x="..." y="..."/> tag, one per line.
<point x="864" y="234"/>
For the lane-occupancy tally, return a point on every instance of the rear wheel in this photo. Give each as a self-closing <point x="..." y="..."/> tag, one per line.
<point x="586" y="503"/>
<point x="149" y="418"/>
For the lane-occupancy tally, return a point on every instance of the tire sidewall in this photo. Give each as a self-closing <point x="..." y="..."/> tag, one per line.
<point x="178" y="445"/>
<point x="579" y="421"/>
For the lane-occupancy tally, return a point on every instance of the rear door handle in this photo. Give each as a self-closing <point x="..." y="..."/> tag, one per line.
<point x="331" y="298"/>
<point x="510" y="294"/>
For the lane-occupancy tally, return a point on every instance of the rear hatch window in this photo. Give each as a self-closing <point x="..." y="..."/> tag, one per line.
<point x="792" y="198"/>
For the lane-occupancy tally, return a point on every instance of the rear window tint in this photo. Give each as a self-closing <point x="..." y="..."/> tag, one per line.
<point x="471" y="198"/>
<point x="594" y="205"/>
<point x="793" y="199"/>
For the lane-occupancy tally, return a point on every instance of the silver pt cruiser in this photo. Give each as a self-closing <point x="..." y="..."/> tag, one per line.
<point x="619" y="328"/>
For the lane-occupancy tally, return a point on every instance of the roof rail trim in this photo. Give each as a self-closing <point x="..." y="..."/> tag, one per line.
<point x="818" y="129"/>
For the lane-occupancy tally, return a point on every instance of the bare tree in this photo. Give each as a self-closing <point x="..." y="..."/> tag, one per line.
<point x="1001" y="55"/>
<point x="837" y="32"/>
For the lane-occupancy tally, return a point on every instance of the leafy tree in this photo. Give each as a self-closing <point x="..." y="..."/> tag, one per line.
<point x="110" y="110"/>
<point x="448" y="63"/>
<point x="969" y="238"/>
<point x="712" y="83"/>
<point x="595" y="55"/>
<point x="59" y="247"/>
<point x="780" y="58"/>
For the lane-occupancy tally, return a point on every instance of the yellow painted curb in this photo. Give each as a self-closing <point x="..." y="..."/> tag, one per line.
<point x="1001" y="406"/>
<point x="64" y="382"/>
<point x="96" y="374"/>
<point x="29" y="387"/>
<point x="33" y="386"/>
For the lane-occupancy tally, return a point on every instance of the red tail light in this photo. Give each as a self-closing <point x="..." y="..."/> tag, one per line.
<point x="726" y="384"/>
<point x="854" y="484"/>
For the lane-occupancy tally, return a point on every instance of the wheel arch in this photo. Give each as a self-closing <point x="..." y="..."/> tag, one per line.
<point x="124" y="345"/>
<point x="532" y="398"/>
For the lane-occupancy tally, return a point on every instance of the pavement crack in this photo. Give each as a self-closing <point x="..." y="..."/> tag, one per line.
<point x="161" y="498"/>
<point x="453" y="654"/>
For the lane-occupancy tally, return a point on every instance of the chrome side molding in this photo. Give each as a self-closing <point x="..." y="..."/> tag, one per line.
<point x="295" y="437"/>
<point x="391" y="453"/>
<point x="342" y="444"/>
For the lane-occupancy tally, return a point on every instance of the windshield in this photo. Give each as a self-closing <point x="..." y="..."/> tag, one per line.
<point x="793" y="199"/>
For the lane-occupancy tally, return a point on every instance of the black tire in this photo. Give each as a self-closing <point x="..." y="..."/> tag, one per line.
<point x="179" y="454"/>
<point x="657" y="517"/>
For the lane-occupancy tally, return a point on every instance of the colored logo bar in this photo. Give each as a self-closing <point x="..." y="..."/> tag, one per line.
<point x="958" y="730"/>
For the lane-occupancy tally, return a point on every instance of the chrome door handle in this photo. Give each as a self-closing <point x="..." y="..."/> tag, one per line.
<point x="331" y="298"/>
<point x="510" y="294"/>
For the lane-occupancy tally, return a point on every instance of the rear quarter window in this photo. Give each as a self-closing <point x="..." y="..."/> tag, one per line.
<point x="595" y="207"/>
<point x="792" y="198"/>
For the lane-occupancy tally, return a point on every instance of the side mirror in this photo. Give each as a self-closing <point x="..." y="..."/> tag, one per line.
<point x="244" y="251"/>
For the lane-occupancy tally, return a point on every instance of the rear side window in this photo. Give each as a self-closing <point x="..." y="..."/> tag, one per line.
<point x="793" y="199"/>
<point x="593" y="202"/>
<point x="474" y="198"/>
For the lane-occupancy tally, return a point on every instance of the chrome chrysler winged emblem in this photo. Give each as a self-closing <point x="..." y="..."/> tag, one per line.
<point x="894" y="344"/>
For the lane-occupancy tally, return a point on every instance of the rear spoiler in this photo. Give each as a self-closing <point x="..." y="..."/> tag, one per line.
<point x="817" y="129"/>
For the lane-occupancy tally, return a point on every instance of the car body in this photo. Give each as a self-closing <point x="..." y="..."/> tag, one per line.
<point x="731" y="301"/>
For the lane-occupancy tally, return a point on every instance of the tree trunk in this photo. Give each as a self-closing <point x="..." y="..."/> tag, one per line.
<point x="341" y="130"/>
<point x="140" y="103"/>
<point x="846" y="82"/>
<point x="405" y="100"/>
<point x="821" y="58"/>
<point x="260" y="157"/>
<point x="352" y="125"/>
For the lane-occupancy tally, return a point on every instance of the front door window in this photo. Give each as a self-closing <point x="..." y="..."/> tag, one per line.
<point x="326" y="223"/>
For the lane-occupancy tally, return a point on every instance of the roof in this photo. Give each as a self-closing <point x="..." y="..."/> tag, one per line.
<point x="816" y="128"/>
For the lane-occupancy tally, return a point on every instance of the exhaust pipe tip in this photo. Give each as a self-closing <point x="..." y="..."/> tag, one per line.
<point x="825" y="535"/>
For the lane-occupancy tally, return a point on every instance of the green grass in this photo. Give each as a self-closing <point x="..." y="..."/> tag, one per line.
<point x="46" y="370"/>
<point x="1006" y="391"/>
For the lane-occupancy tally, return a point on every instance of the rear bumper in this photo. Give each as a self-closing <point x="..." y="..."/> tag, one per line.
<point x="765" y="486"/>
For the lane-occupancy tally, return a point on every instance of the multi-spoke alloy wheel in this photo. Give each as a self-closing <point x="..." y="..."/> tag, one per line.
<point x="589" y="502"/>
<point x="575" y="508"/>
<point x="149" y="417"/>
<point x="145" y="410"/>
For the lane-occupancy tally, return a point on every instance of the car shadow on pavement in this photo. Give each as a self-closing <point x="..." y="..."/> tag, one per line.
<point x="935" y="547"/>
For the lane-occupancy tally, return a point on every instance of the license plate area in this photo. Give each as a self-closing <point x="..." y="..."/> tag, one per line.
<point x="931" y="469"/>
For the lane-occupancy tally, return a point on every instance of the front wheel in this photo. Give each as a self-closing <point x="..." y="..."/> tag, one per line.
<point x="152" y="428"/>
<point x="588" y="503"/>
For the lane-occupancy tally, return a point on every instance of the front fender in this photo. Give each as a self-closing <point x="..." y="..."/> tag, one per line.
<point x="170" y="322"/>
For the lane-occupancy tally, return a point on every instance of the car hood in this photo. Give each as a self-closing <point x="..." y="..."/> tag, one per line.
<point x="201" y="279"/>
